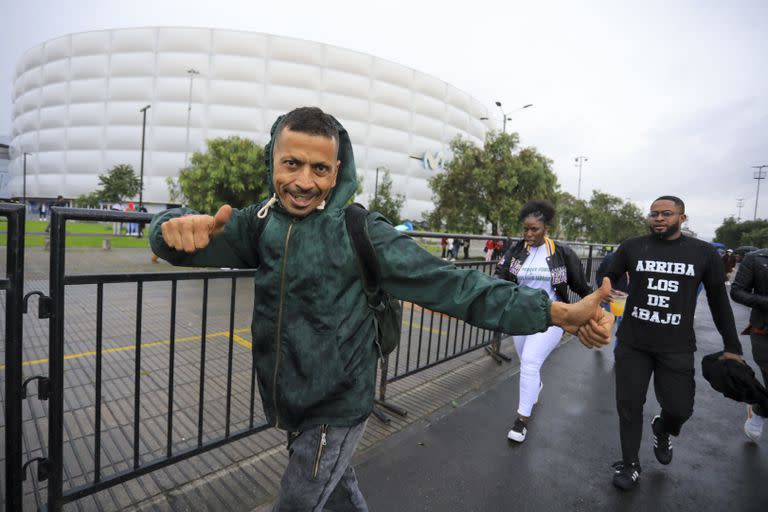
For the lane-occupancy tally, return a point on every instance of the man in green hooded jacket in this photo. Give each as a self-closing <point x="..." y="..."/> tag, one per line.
<point x="313" y="332"/>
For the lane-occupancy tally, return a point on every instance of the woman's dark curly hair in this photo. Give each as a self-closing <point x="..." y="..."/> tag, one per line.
<point x="540" y="209"/>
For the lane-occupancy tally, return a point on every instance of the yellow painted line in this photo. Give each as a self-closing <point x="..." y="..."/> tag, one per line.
<point x="419" y="326"/>
<point x="151" y="344"/>
<point x="242" y="342"/>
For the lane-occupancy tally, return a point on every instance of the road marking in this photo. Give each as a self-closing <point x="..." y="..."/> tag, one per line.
<point x="151" y="344"/>
<point x="242" y="342"/>
<point x="238" y="339"/>
<point x="420" y="326"/>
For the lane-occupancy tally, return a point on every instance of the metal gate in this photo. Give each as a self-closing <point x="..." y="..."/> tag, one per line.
<point x="428" y="339"/>
<point x="12" y="284"/>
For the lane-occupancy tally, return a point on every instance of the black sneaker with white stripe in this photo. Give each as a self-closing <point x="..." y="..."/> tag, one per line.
<point x="662" y="441"/>
<point x="626" y="476"/>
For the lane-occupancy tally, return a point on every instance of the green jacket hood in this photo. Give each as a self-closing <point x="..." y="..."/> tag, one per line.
<point x="346" y="182"/>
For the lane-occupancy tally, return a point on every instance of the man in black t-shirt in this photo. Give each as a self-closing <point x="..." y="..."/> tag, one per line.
<point x="656" y="335"/>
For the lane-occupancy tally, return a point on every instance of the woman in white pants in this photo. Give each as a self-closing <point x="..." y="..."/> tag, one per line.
<point x="538" y="262"/>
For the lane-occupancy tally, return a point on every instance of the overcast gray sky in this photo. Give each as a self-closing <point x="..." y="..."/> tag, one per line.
<point x="667" y="97"/>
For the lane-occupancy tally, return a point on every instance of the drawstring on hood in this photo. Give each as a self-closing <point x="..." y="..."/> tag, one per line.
<point x="264" y="210"/>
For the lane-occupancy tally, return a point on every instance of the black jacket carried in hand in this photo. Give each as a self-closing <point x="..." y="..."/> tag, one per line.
<point x="750" y="287"/>
<point x="733" y="379"/>
<point x="563" y="263"/>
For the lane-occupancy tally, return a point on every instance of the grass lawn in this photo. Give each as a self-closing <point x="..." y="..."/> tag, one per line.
<point x="105" y="228"/>
<point x="75" y="227"/>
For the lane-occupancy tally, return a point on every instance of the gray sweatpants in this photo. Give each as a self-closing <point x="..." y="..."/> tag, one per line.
<point x="319" y="475"/>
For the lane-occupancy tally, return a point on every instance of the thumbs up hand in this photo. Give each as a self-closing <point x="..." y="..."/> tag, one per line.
<point x="191" y="233"/>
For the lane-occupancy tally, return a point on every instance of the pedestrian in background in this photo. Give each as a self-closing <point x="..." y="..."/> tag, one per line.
<point x="538" y="262"/>
<point x="656" y="337"/>
<point x="750" y="288"/>
<point x="60" y="201"/>
<point x="489" y="246"/>
<point x="729" y="263"/>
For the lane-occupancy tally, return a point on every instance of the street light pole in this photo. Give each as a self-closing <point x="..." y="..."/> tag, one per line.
<point x="191" y="72"/>
<point x="24" y="180"/>
<point x="739" y="205"/>
<point x="505" y="117"/>
<point x="141" y="172"/>
<point x="579" y="161"/>
<point x="759" y="174"/>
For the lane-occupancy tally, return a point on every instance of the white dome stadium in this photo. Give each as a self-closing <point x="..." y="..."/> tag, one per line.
<point x="77" y="100"/>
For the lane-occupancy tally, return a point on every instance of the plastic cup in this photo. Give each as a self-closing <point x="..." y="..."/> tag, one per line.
<point x="617" y="304"/>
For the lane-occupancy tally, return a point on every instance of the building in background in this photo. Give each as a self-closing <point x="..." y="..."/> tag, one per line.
<point x="77" y="101"/>
<point x="5" y="157"/>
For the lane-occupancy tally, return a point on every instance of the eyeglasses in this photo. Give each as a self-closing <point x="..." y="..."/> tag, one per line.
<point x="666" y="214"/>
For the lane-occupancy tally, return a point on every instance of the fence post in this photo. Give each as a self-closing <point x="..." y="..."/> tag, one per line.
<point x="589" y="264"/>
<point x="382" y="395"/>
<point x="55" y="459"/>
<point x="494" y="349"/>
<point x="13" y="356"/>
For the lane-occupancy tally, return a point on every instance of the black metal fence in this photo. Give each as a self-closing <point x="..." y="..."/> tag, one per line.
<point x="430" y="338"/>
<point x="200" y="390"/>
<point x="13" y="286"/>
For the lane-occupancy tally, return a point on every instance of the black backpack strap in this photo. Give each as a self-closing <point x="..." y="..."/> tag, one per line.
<point x="368" y="264"/>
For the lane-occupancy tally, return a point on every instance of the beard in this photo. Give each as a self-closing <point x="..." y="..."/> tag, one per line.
<point x="663" y="235"/>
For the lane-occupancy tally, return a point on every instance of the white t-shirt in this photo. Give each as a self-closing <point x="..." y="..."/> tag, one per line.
<point x="535" y="272"/>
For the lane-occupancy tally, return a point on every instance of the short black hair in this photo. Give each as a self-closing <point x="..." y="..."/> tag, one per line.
<point x="309" y="120"/>
<point x="542" y="209"/>
<point x="678" y="202"/>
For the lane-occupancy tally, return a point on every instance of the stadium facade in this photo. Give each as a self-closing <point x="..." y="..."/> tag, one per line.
<point x="77" y="102"/>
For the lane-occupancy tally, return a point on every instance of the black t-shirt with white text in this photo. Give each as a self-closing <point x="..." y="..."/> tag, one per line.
<point x="664" y="276"/>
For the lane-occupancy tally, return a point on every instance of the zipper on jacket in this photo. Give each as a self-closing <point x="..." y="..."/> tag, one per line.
<point x="278" y="333"/>
<point x="319" y="453"/>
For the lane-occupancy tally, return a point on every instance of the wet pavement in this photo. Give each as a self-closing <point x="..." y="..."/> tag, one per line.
<point x="461" y="460"/>
<point x="452" y="457"/>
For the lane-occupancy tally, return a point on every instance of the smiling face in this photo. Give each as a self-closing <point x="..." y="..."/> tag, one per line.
<point x="534" y="230"/>
<point x="304" y="171"/>
<point x="665" y="219"/>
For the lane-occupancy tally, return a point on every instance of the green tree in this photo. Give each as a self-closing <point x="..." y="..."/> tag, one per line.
<point x="572" y="217"/>
<point x="729" y="233"/>
<point x="734" y="234"/>
<point x="489" y="184"/>
<point x="174" y="190"/>
<point x="119" y="183"/>
<point x="604" y="218"/>
<point x="90" y="200"/>
<point x="232" y="171"/>
<point x="386" y="202"/>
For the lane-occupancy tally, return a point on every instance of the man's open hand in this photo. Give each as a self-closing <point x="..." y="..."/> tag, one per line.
<point x="586" y="319"/>
<point x="191" y="233"/>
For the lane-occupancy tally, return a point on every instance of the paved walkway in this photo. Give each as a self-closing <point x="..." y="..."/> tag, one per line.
<point x="462" y="460"/>
<point x="450" y="452"/>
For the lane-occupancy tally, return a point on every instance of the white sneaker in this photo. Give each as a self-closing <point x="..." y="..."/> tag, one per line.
<point x="753" y="427"/>
<point x="518" y="432"/>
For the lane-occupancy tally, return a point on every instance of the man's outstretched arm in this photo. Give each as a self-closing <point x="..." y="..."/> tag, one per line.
<point x="184" y="237"/>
